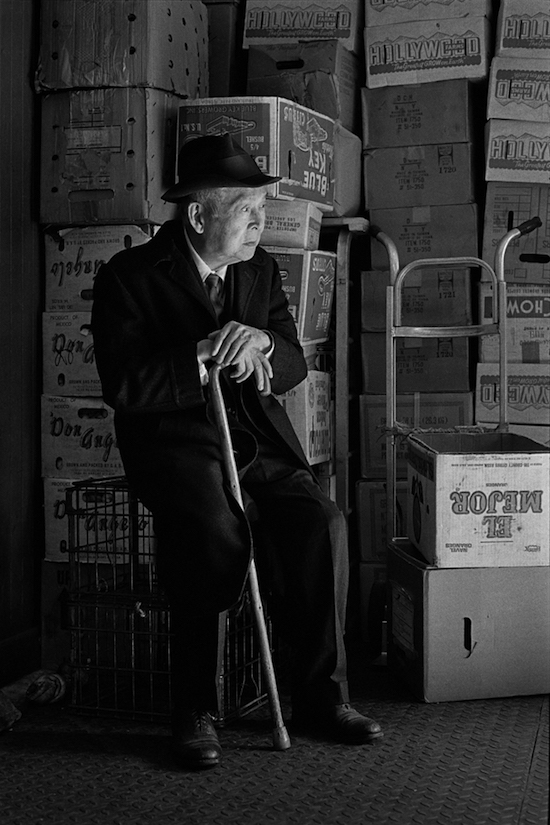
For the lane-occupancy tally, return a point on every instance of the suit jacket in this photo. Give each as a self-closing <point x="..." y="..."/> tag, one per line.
<point x="150" y="309"/>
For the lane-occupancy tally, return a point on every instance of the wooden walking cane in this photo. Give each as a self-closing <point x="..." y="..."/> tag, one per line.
<point x="281" y="739"/>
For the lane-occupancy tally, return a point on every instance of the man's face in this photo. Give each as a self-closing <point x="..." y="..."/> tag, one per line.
<point x="234" y="233"/>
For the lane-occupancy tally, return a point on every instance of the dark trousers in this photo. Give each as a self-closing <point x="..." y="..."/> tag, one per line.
<point x="302" y="559"/>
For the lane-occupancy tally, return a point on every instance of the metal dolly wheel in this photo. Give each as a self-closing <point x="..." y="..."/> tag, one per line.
<point x="396" y="329"/>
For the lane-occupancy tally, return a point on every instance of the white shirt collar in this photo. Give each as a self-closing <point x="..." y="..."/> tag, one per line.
<point x="203" y="268"/>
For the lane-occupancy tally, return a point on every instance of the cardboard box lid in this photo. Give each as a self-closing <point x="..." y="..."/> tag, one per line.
<point x="472" y="443"/>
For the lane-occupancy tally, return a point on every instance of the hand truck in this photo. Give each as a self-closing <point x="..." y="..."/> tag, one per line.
<point x="396" y="329"/>
<point x="281" y="739"/>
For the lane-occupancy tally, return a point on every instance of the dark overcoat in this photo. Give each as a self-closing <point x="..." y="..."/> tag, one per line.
<point x="150" y="310"/>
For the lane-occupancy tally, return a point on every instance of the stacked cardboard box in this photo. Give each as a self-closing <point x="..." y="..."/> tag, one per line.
<point x="110" y="79"/>
<point x="478" y="527"/>
<point x="311" y="54"/>
<point x="424" y="64"/>
<point x="517" y="170"/>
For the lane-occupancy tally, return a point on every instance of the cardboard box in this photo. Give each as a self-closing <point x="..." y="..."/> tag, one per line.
<point x="73" y="257"/>
<point x="508" y="205"/>
<point x="308" y="280"/>
<point x="469" y="633"/>
<point x="426" y="232"/>
<point x="107" y="156"/>
<point x="291" y="21"/>
<point x="527" y="327"/>
<point x="127" y="43"/>
<point x="56" y="523"/>
<point x="429" y="297"/>
<point x="528" y="394"/>
<point x="283" y="137"/>
<point x="438" y="410"/>
<point x="414" y="115"/>
<point x="295" y="224"/>
<point x="428" y="175"/>
<point x="479" y="499"/>
<point x="78" y="438"/>
<point x="422" y="364"/>
<point x="519" y="89"/>
<point x="384" y="12"/>
<point x="517" y="151"/>
<point x="226" y="58"/>
<point x="321" y="75"/>
<point x="540" y="434"/>
<point x="309" y="408"/>
<point x="426" y="51"/>
<point x="372" y="507"/>
<point x="523" y="29"/>
<point x="103" y="532"/>
<point x="68" y="359"/>
<point x="54" y="614"/>
<point x="348" y="183"/>
<point x="373" y="598"/>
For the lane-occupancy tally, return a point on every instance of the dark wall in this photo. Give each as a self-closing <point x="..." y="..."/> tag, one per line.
<point x="21" y="527"/>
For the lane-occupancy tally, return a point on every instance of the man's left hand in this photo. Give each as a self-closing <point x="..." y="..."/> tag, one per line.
<point x="243" y="348"/>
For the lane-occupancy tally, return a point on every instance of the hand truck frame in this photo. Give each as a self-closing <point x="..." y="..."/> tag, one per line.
<point x="396" y="329"/>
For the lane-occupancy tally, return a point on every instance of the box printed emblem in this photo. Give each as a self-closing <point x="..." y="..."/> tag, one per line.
<point x="523" y="31"/>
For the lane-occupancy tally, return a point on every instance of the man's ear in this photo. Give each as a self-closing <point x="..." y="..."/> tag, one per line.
<point x="195" y="216"/>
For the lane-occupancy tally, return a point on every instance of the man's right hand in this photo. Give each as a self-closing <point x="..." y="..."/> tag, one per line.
<point x="249" y="361"/>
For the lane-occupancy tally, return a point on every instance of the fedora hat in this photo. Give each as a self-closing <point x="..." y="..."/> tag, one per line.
<point x="213" y="161"/>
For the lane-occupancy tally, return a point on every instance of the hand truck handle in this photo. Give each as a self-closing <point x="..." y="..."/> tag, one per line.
<point x="281" y="739"/>
<point x="528" y="226"/>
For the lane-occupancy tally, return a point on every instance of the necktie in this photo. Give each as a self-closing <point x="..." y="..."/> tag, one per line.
<point x="214" y="285"/>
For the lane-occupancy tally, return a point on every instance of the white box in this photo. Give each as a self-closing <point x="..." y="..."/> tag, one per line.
<point x="283" y="137"/>
<point x="528" y="394"/>
<point x="372" y="506"/>
<point x="426" y="51"/>
<point x="468" y="634"/>
<point x="438" y="112"/>
<point x="523" y="29"/>
<point x="433" y="174"/>
<point x="107" y="156"/>
<point x="322" y="75"/>
<point x="517" y="151"/>
<point x="308" y="279"/>
<point x="295" y="224"/>
<point x="78" y="438"/>
<point x="426" y="232"/>
<point x="163" y="44"/>
<point x="68" y="359"/>
<point x="384" y="12"/>
<point x="291" y="21"/>
<point x="73" y="257"/>
<point x="508" y="205"/>
<point x="308" y="405"/>
<point x="479" y="499"/>
<point x="519" y="89"/>
<point x="437" y="410"/>
<point x="527" y="326"/>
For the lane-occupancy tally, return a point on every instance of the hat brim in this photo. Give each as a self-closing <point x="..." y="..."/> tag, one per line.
<point x="201" y="182"/>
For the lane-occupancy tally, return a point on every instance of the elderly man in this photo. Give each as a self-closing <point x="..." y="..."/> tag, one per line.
<point x="201" y="292"/>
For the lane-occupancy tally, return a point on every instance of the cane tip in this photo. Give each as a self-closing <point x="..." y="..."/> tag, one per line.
<point x="281" y="739"/>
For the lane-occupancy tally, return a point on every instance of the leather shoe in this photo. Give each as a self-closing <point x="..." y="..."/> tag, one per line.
<point x="195" y="740"/>
<point x="340" y="722"/>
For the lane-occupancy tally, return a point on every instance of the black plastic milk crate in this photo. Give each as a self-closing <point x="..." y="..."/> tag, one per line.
<point x="120" y="619"/>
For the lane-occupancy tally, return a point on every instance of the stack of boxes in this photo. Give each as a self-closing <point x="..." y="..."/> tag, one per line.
<point x="425" y="64"/>
<point x="111" y="78"/>
<point x="299" y="119"/>
<point x="518" y="187"/>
